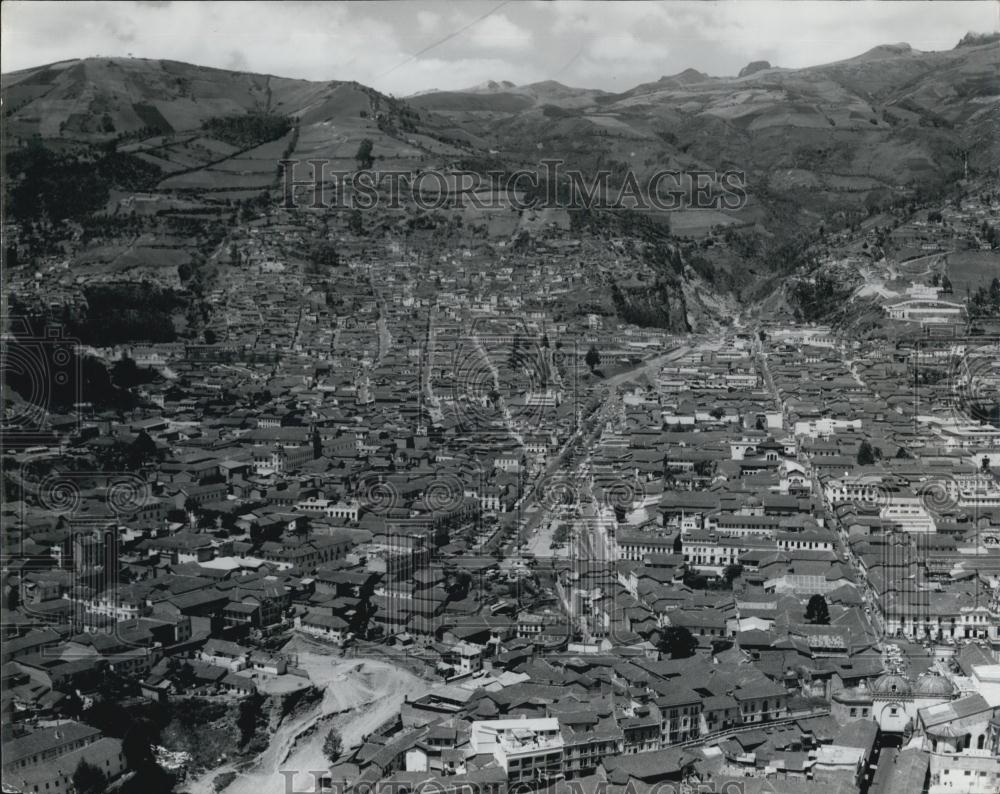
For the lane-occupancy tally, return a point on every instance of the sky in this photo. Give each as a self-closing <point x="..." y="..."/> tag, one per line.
<point x="402" y="48"/>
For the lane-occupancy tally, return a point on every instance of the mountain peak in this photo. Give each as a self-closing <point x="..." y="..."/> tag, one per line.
<point x="692" y="75"/>
<point x="972" y="39"/>
<point x="754" y="67"/>
<point x="491" y="86"/>
<point x="686" y="77"/>
<point x="887" y="51"/>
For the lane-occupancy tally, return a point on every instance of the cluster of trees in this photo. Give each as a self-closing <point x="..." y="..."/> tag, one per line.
<point x="138" y="730"/>
<point x="293" y="141"/>
<point x="249" y="130"/>
<point x="705" y="468"/>
<point x="68" y="377"/>
<point x="817" y="611"/>
<point x="323" y="255"/>
<point x="333" y="745"/>
<point x="867" y="454"/>
<point x="989" y="234"/>
<point x="816" y="299"/>
<point x="88" y="779"/>
<point x="58" y="185"/>
<point x="985" y="302"/>
<point x="249" y="208"/>
<point x="782" y="254"/>
<point x="131" y="456"/>
<point x="364" y="154"/>
<point x="677" y="642"/>
<point x="127" y="312"/>
<point x="648" y="308"/>
<point x="943" y="282"/>
<point x="699" y="581"/>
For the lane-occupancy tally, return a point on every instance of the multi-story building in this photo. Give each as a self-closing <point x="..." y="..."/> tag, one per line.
<point x="680" y="716"/>
<point x="45" y="759"/>
<point x="529" y="750"/>
<point x="641" y="728"/>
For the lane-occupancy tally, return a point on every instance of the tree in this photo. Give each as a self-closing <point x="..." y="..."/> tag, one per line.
<point x="593" y="358"/>
<point x="181" y="673"/>
<point x="141" y="451"/>
<point x="210" y="337"/>
<point x="678" y="642"/>
<point x="323" y="255"/>
<point x="88" y="779"/>
<point x="866" y="455"/>
<point x="125" y="373"/>
<point x="221" y="782"/>
<point x="704" y="468"/>
<point x="248" y="716"/>
<point x="760" y="424"/>
<point x="817" y="611"/>
<point x="137" y="746"/>
<point x="354" y="222"/>
<point x="364" y="155"/>
<point x="458" y="583"/>
<point x="731" y="573"/>
<point x="333" y="745"/>
<point x="718" y="412"/>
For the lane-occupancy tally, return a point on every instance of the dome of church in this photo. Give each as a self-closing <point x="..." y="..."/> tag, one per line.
<point x="891" y="684"/>
<point x="933" y="686"/>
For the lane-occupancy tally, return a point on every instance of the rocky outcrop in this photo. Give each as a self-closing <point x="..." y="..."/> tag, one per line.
<point x="753" y="67"/>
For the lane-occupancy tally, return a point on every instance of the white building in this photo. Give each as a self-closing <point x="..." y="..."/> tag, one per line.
<point x="908" y="511"/>
<point x="529" y="750"/>
<point x="330" y="508"/>
<point x="926" y="310"/>
<point x="826" y="427"/>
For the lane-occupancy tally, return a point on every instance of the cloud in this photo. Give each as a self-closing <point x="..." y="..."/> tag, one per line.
<point x="575" y="17"/>
<point x="125" y="35"/>
<point x="602" y="45"/>
<point x="428" y="21"/>
<point x="497" y="32"/>
<point x="622" y="47"/>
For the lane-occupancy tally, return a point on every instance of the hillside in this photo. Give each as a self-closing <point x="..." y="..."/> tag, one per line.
<point x="888" y="119"/>
<point x="163" y="150"/>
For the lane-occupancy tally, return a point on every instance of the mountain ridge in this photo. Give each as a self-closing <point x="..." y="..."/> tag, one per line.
<point x="819" y="147"/>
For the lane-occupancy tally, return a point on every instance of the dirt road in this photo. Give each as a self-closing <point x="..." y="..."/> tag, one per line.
<point x="360" y="694"/>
